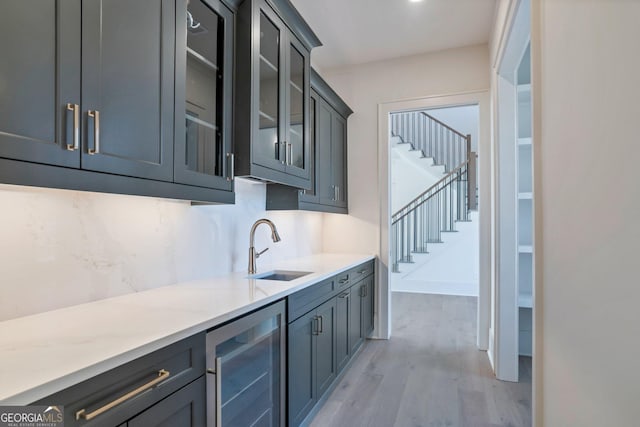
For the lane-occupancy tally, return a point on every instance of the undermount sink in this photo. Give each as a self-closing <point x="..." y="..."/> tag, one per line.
<point x="282" y="275"/>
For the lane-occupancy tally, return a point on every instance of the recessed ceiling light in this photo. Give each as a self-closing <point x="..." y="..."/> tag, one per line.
<point x="415" y="1"/>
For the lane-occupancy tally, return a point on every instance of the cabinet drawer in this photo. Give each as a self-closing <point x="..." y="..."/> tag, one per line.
<point x="184" y="408"/>
<point x="360" y="272"/>
<point x="169" y="369"/>
<point x="309" y="298"/>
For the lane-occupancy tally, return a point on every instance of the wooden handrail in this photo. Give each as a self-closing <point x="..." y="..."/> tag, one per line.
<point x="445" y="125"/>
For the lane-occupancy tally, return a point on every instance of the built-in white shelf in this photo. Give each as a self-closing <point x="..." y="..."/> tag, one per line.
<point x="524" y="93"/>
<point x="525" y="249"/>
<point x="524" y="87"/>
<point x="524" y="210"/>
<point x="525" y="301"/>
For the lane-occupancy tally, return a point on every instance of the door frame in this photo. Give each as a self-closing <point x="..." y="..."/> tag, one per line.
<point x="514" y="38"/>
<point x="485" y="172"/>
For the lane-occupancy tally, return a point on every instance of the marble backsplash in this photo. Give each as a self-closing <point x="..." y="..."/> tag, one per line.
<point x="60" y="248"/>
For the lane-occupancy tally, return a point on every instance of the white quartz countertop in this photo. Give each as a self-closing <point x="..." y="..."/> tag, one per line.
<point x="48" y="352"/>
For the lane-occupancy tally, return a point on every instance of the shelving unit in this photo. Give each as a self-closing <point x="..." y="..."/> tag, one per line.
<point x="524" y="213"/>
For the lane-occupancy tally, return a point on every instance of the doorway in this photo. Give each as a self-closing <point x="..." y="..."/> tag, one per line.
<point x="481" y="100"/>
<point x="511" y="342"/>
<point x="434" y="201"/>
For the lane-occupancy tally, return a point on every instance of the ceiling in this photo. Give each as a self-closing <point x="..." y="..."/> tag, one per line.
<point x="359" y="31"/>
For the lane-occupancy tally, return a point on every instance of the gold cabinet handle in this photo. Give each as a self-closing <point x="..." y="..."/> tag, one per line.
<point x="95" y="114"/>
<point x="76" y="126"/>
<point x="83" y="415"/>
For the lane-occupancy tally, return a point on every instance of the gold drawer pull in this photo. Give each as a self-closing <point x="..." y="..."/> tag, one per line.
<point x="82" y="414"/>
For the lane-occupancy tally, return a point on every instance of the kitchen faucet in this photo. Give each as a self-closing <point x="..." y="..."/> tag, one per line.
<point x="252" y="250"/>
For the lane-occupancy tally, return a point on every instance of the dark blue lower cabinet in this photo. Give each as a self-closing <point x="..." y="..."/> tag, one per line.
<point x="322" y="342"/>
<point x="368" y="301"/>
<point x="312" y="366"/>
<point x="326" y="366"/>
<point x="301" y="367"/>
<point x="356" y="336"/>
<point x="343" y="310"/>
<point x="164" y="382"/>
<point x="185" y="408"/>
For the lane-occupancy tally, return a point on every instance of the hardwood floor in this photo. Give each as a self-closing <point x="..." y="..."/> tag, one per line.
<point x="429" y="373"/>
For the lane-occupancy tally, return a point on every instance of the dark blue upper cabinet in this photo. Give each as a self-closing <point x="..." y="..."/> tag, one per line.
<point x="127" y="87"/>
<point x="272" y="93"/>
<point x="119" y="94"/>
<point x="204" y="103"/>
<point x="39" y="81"/>
<point x="328" y="153"/>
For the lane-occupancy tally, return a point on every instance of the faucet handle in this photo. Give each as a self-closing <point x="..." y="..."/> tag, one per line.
<point x="261" y="252"/>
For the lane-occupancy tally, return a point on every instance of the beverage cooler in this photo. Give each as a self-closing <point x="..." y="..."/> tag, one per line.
<point x="245" y="370"/>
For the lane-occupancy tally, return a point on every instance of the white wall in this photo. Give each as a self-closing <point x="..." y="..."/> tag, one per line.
<point x="586" y="68"/>
<point x="366" y="87"/>
<point x="411" y="174"/>
<point x="60" y="248"/>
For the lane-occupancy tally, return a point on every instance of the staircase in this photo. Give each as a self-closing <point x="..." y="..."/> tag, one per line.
<point x="437" y="209"/>
<point x="411" y="173"/>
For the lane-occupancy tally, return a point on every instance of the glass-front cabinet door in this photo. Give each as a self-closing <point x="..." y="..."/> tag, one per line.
<point x="270" y="149"/>
<point x="204" y="65"/>
<point x="297" y="140"/>
<point x="282" y="65"/>
<point x="245" y="370"/>
<point x="272" y="94"/>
